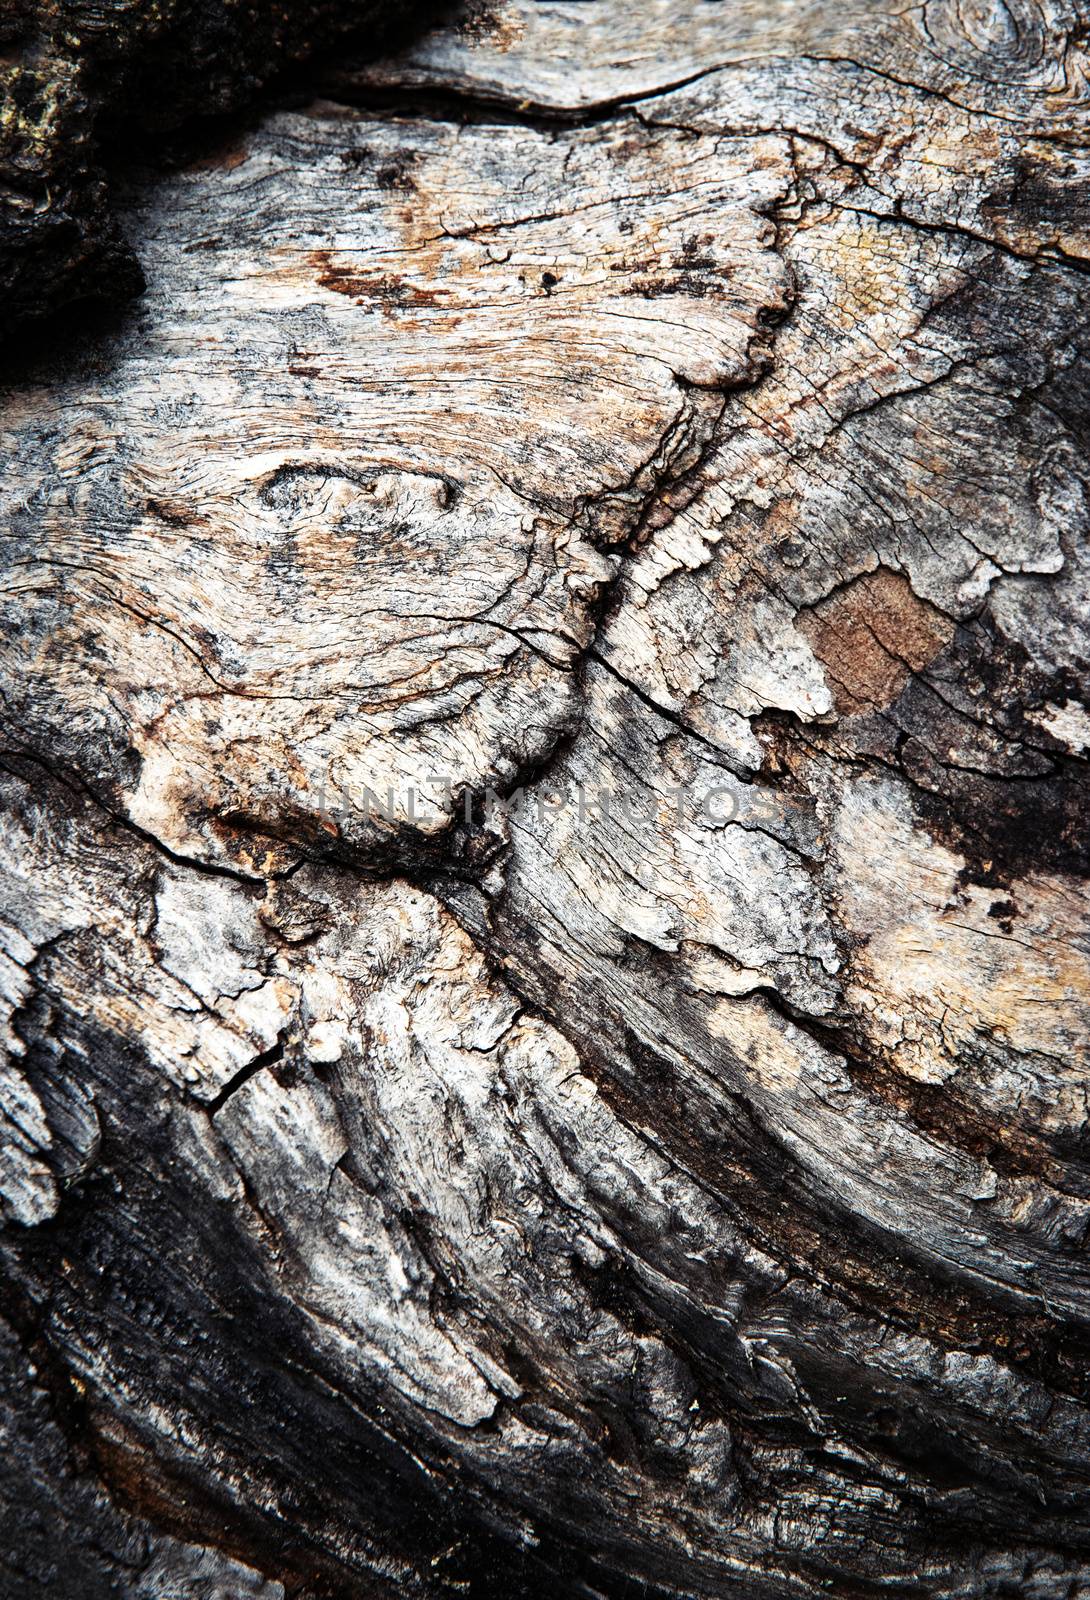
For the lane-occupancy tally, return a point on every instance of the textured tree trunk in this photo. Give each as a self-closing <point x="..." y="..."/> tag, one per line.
<point x="544" y="940"/>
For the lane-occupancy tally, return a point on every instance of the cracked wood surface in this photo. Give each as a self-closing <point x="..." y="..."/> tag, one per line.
<point x="85" y="82"/>
<point x="661" y="1200"/>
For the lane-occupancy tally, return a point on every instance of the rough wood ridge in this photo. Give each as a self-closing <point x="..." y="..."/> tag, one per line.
<point x="662" y="1198"/>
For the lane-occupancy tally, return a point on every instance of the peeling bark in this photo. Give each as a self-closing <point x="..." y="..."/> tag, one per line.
<point x="650" y="1159"/>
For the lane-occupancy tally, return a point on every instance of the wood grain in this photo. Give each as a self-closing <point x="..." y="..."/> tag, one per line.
<point x="565" y="1184"/>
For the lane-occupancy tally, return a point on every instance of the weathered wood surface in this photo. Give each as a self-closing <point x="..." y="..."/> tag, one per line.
<point x="688" y="1199"/>
<point x="85" y="83"/>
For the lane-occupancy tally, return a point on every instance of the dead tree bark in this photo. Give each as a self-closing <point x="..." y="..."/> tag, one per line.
<point x="544" y="895"/>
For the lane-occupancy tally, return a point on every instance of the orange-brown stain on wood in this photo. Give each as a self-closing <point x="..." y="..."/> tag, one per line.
<point x="871" y="636"/>
<point x="227" y="156"/>
<point x="384" y="289"/>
